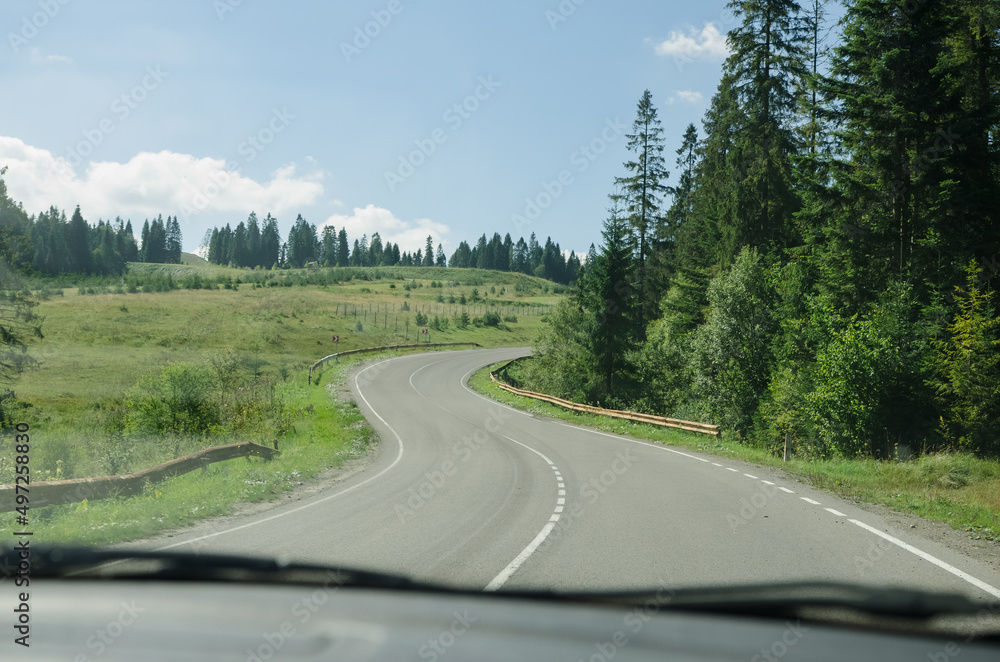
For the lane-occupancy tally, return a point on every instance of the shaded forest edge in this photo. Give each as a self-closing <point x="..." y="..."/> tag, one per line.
<point x="823" y="265"/>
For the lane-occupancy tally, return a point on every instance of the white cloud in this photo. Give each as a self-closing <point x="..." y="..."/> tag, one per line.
<point x="687" y="96"/>
<point x="149" y="183"/>
<point x="170" y="183"/>
<point x="410" y="235"/>
<point x="695" y="43"/>
<point x="37" y="57"/>
<point x="690" y="96"/>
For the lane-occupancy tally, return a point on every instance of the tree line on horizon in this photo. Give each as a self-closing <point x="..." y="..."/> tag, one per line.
<point x="258" y="244"/>
<point x="50" y="244"/>
<point x="823" y="265"/>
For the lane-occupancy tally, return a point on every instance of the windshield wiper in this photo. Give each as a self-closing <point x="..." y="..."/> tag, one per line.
<point x="55" y="562"/>
<point x="786" y="600"/>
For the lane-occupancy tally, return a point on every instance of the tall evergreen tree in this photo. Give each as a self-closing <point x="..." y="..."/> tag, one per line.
<point x="78" y="242"/>
<point x="144" y="239"/>
<point x="766" y="68"/>
<point x="612" y="304"/>
<point x="462" y="256"/>
<point x="174" y="241"/>
<point x="641" y="192"/>
<point x="429" y="252"/>
<point x="131" y="252"/>
<point x="255" y="256"/>
<point x="240" y="253"/>
<point x="155" y="248"/>
<point x="270" y="243"/>
<point x="328" y="247"/>
<point x="343" y="254"/>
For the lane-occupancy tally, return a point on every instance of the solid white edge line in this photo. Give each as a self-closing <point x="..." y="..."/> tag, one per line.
<point x="399" y="456"/>
<point x="978" y="583"/>
<point x="924" y="555"/>
<point x="414" y="374"/>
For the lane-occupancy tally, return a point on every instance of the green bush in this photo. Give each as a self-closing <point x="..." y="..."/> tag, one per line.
<point x="179" y="399"/>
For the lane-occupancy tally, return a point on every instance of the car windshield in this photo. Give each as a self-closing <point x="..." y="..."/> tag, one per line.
<point x="565" y="295"/>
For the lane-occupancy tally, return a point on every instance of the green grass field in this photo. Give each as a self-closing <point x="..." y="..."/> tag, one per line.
<point x="958" y="489"/>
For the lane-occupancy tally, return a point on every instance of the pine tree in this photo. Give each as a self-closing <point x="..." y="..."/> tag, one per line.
<point x="174" y="241"/>
<point x="78" y="242"/>
<point x="766" y="68"/>
<point x="343" y="254"/>
<point x="429" y="253"/>
<point x="155" y="246"/>
<point x="131" y="253"/>
<point x="612" y="305"/>
<point x="375" y="250"/>
<point x="270" y="243"/>
<point x="641" y="192"/>
<point x="462" y="256"/>
<point x="328" y="247"/>
<point x="254" y="256"/>
<point x="144" y="238"/>
<point x="240" y="257"/>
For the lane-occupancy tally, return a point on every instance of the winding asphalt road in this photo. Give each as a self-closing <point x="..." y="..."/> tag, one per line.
<point x="469" y="492"/>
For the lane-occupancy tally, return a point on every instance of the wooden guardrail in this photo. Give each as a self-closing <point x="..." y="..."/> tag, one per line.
<point x="383" y="349"/>
<point x="690" y="426"/>
<point x="55" y="492"/>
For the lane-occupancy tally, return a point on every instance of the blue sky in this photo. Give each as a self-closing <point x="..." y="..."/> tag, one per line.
<point x="404" y="117"/>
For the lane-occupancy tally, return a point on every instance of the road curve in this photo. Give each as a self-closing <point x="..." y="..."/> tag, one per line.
<point x="469" y="492"/>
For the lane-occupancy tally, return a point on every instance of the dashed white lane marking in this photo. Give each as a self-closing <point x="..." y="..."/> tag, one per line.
<point x="767" y="482"/>
<point x="497" y="582"/>
<point x="751" y="476"/>
<point x="835" y="512"/>
<point x="978" y="583"/>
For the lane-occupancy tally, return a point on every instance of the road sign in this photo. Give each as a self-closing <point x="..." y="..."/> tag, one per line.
<point x="423" y="331"/>
<point x="336" y="339"/>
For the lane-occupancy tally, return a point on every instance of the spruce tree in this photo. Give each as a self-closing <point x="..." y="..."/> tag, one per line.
<point x="641" y="194"/>
<point x="343" y="253"/>
<point x="612" y="304"/>
<point x="78" y="243"/>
